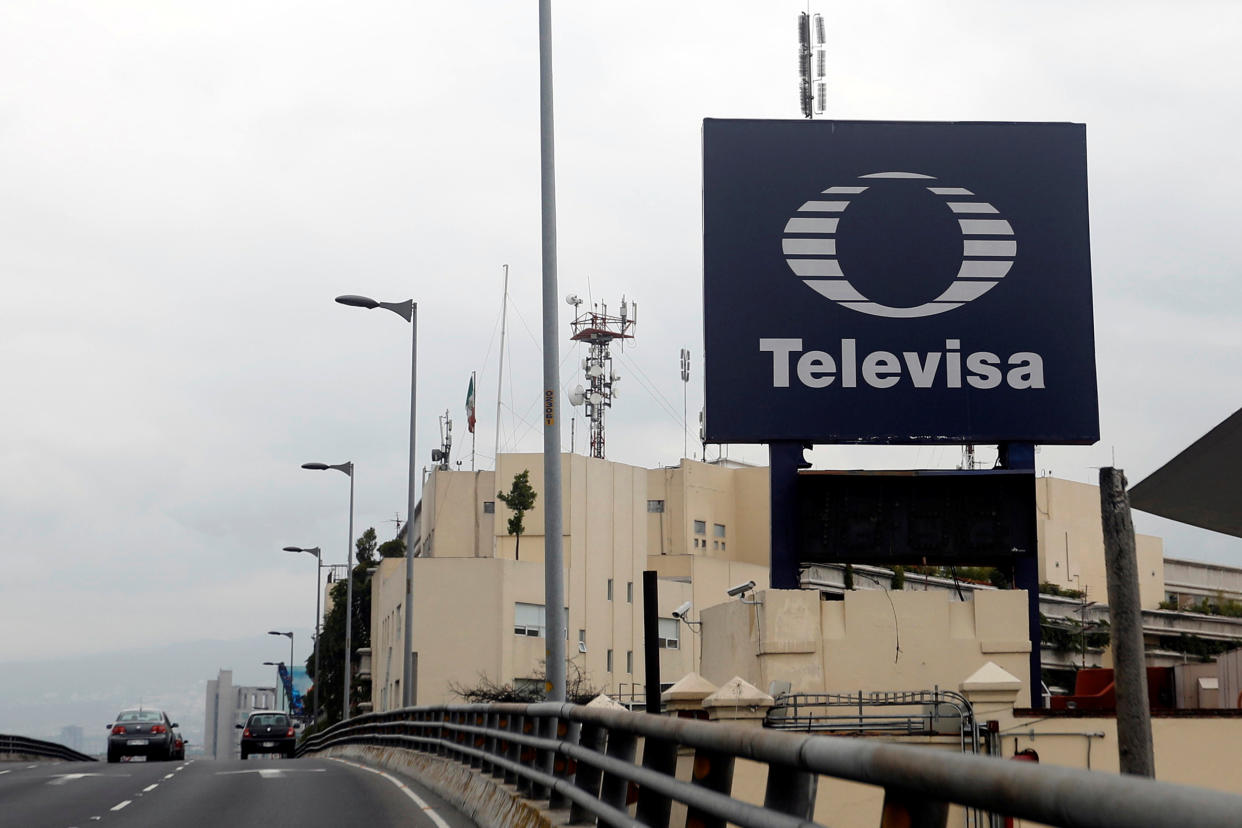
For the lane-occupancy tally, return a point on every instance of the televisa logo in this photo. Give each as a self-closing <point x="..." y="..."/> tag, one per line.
<point x="885" y="369"/>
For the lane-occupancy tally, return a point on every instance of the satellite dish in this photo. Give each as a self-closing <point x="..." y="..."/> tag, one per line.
<point x="576" y="396"/>
<point x="595" y="371"/>
<point x="572" y="299"/>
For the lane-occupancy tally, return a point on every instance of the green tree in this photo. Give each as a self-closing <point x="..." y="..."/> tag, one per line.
<point x="520" y="498"/>
<point x="332" y="636"/>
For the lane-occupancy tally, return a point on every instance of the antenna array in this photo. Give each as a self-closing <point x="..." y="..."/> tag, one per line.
<point x="596" y="328"/>
<point x="812" y="87"/>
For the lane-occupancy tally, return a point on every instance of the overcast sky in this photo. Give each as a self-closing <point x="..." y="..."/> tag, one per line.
<point x="184" y="187"/>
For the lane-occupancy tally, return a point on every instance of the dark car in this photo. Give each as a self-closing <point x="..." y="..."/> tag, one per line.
<point x="178" y="751"/>
<point x="268" y="731"/>
<point x="141" y="732"/>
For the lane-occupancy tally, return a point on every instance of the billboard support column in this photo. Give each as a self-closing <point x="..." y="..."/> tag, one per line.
<point x="784" y="460"/>
<point x="1021" y="457"/>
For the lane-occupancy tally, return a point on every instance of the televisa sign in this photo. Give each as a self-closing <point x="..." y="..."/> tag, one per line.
<point x="897" y="282"/>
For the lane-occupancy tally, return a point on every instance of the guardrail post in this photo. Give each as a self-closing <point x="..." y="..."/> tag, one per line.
<point x="714" y="771"/>
<point x="791" y="791"/>
<point x="477" y="741"/>
<point x="441" y="746"/>
<point x="500" y="745"/>
<point x="562" y="765"/>
<point x="586" y="776"/>
<point x="904" y="809"/>
<point x="659" y="755"/>
<point x="545" y="727"/>
<point x="462" y="738"/>
<point x="526" y="756"/>
<point x="489" y="742"/>
<point x="614" y="789"/>
<point x="514" y="750"/>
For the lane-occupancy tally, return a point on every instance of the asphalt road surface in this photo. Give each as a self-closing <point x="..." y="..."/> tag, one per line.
<point x="262" y="792"/>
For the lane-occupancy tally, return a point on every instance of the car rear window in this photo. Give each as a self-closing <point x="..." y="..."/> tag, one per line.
<point x="270" y="720"/>
<point x="139" y="716"/>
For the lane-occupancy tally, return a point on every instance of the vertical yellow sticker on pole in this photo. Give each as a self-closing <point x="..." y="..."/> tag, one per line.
<point x="549" y="403"/>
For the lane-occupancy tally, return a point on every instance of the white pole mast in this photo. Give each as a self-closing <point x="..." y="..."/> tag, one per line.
<point x="500" y="374"/>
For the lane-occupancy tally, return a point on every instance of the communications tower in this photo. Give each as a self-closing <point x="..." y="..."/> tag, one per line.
<point x="596" y="328"/>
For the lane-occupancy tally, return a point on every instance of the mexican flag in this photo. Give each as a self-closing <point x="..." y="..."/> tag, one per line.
<point x="470" y="405"/>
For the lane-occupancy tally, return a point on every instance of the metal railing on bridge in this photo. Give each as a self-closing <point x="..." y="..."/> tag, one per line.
<point x="584" y="758"/>
<point x="25" y="746"/>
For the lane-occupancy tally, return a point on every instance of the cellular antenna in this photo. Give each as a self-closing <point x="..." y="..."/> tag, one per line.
<point x="598" y="329"/>
<point x="685" y="384"/>
<point x="812" y="64"/>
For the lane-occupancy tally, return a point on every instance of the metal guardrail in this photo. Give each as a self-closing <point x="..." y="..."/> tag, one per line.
<point x="585" y="758"/>
<point x="24" y="746"/>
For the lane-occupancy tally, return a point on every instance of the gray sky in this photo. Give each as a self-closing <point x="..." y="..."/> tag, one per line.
<point x="185" y="186"/>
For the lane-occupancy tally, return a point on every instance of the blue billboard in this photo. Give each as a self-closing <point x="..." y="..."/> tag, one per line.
<point x="897" y="282"/>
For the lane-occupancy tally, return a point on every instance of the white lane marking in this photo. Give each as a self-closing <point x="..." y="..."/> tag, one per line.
<point x="272" y="773"/>
<point x="121" y="805"/>
<point x="418" y="800"/>
<point x="62" y="778"/>
<point x="2" y="773"/>
<point x="179" y="767"/>
<point x="150" y="788"/>
<point x="168" y="776"/>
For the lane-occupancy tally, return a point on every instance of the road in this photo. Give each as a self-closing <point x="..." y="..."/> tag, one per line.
<point x="262" y="792"/>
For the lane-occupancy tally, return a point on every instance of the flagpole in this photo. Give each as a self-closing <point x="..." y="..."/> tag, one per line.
<point x="500" y="373"/>
<point x="472" y="435"/>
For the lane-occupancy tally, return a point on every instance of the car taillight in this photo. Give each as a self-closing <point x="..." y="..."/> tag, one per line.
<point x="158" y="729"/>
<point x="117" y="730"/>
<point x="246" y="732"/>
<point x="290" y="732"/>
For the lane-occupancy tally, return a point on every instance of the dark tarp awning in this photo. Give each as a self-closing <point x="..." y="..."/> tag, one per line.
<point x="1202" y="486"/>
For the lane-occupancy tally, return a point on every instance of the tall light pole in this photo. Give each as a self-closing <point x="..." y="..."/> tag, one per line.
<point x="314" y="550"/>
<point x="408" y="311"/>
<point x="553" y="575"/>
<point x="346" y="468"/>
<point x="290" y="635"/>
<point x="277" y="665"/>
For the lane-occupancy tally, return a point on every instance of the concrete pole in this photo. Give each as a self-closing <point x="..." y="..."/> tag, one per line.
<point x="349" y="597"/>
<point x="1134" y="743"/>
<point x="407" y="663"/>
<point x="554" y="576"/>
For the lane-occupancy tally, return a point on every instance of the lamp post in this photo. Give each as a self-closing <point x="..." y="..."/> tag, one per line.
<point x="348" y="469"/>
<point x="314" y="550"/>
<point x="290" y="635"/>
<point x="408" y="311"/>
<point x="277" y="665"/>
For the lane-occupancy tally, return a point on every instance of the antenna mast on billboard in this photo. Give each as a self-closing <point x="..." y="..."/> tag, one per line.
<point x="812" y="64"/>
<point x="596" y="328"/>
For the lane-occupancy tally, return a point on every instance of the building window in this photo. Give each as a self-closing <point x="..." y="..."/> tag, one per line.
<point x="532" y="686"/>
<point x="718" y="530"/>
<point x="528" y="619"/>
<point x="655" y="505"/>
<point x="722" y="545"/>
<point x="629" y="661"/>
<point x="582" y="641"/>
<point x="610" y="589"/>
<point x="700" y="527"/>
<point x="668" y="631"/>
<point x="489" y="507"/>
<point x="608" y="662"/>
<point x="629" y="592"/>
<point x="715" y="544"/>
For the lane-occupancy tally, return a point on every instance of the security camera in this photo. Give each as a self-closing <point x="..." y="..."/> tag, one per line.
<point x="741" y="589"/>
<point x="681" y="611"/>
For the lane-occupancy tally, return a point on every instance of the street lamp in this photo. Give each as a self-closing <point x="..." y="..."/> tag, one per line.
<point x="408" y="311"/>
<point x="277" y="665"/>
<point x="348" y="469"/>
<point x="290" y="635"/>
<point x="314" y="550"/>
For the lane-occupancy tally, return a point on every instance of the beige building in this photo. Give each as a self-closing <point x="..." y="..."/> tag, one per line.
<point x="478" y="591"/>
